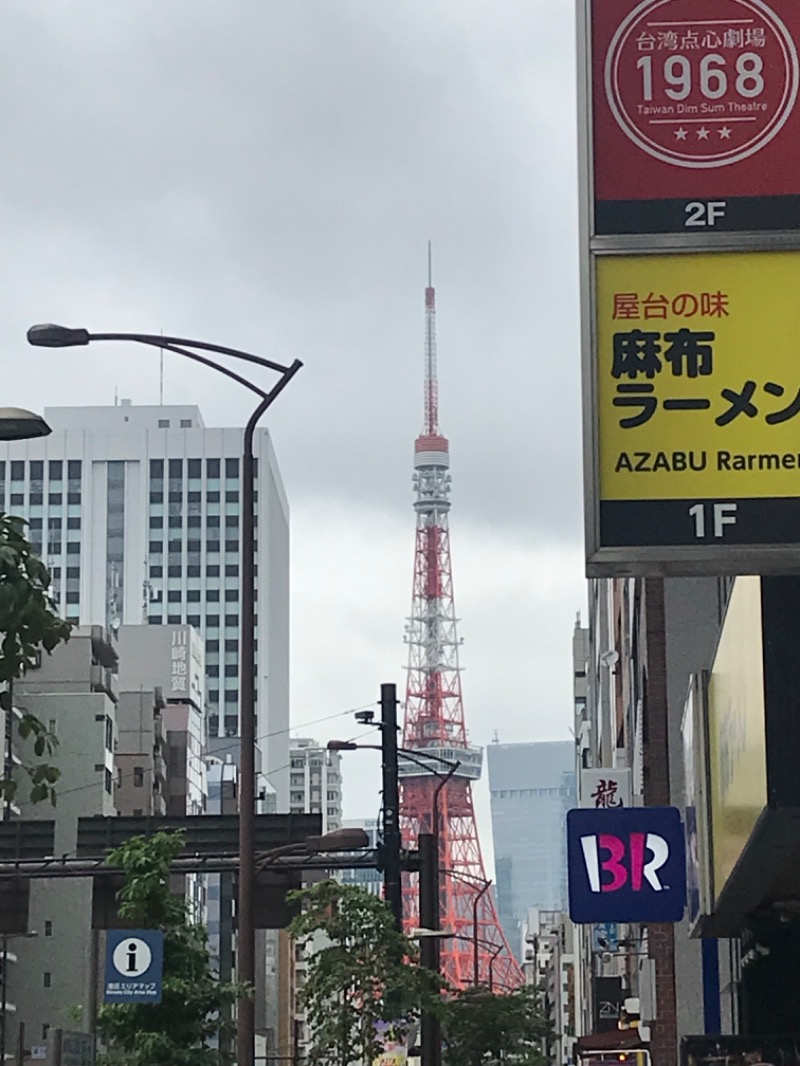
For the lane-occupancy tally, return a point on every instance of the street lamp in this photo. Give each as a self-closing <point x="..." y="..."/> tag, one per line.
<point x="346" y="839"/>
<point x="485" y="886"/>
<point x="446" y="934"/>
<point x="52" y="336"/>
<point x="18" y="424"/>
<point x="429" y="887"/>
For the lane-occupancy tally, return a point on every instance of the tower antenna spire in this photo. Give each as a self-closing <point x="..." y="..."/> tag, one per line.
<point x="431" y="423"/>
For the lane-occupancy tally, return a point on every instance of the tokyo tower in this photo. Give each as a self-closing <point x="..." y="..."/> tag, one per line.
<point x="434" y="723"/>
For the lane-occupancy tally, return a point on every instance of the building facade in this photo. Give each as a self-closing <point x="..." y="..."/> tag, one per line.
<point x="638" y="984"/>
<point x="532" y="786"/>
<point x="315" y="783"/>
<point x="137" y="513"/>
<point x="55" y="974"/>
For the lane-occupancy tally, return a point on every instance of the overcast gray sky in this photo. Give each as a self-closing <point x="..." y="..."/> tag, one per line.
<point x="266" y="174"/>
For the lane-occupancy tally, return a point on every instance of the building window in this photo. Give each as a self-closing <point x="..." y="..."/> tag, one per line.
<point x="232" y="468"/>
<point x="232" y="620"/>
<point x="156" y="522"/>
<point x="175" y="469"/>
<point x="231" y="595"/>
<point x="163" y="423"/>
<point x="55" y="467"/>
<point x="231" y="570"/>
<point x="194" y="467"/>
<point x="186" y="423"/>
<point x="48" y="928"/>
<point x="193" y="596"/>
<point x="212" y="571"/>
<point x="173" y="619"/>
<point x="231" y="545"/>
<point x="156" y="469"/>
<point x="212" y="468"/>
<point x="174" y="596"/>
<point x="212" y="621"/>
<point x="138" y="777"/>
<point x="109" y="734"/>
<point x="154" y="619"/>
<point x="47" y="979"/>
<point x="156" y="547"/>
<point x="194" y="620"/>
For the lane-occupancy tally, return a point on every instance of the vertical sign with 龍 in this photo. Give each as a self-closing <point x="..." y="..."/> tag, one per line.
<point x="691" y="263"/>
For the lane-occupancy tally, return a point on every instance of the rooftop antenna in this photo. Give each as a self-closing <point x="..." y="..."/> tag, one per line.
<point x="161" y="374"/>
<point x="116" y="395"/>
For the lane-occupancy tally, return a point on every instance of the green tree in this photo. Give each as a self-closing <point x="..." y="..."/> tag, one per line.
<point x="29" y="624"/>
<point x="362" y="978"/>
<point x="173" y="1032"/>
<point x="480" y="1027"/>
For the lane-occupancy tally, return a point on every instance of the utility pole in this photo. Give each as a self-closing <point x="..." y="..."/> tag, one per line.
<point x="430" y="1034"/>
<point x="392" y="886"/>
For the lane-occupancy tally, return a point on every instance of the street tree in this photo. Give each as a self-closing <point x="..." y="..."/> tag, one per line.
<point x="480" y="1028"/>
<point x="194" y="1002"/>
<point x="29" y="625"/>
<point x="363" y="982"/>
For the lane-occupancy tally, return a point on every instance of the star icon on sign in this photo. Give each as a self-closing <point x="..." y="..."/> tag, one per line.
<point x="680" y="133"/>
<point x="724" y="133"/>
<point x="702" y="134"/>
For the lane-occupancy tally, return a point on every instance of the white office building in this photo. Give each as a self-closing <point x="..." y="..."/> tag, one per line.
<point x="137" y="512"/>
<point x="316" y="782"/>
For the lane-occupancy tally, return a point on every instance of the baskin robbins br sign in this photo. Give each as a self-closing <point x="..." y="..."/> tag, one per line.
<point x="626" y="865"/>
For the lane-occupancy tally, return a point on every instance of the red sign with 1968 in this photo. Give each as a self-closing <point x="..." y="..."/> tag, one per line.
<point x="696" y="121"/>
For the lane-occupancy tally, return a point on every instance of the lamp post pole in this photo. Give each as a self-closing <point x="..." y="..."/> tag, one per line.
<point x="51" y="336"/>
<point x="475" y="955"/>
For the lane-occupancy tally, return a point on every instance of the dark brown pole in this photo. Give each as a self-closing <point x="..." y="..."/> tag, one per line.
<point x="246" y="1021"/>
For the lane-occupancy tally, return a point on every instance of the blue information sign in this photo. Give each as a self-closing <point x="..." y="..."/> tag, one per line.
<point x="134" y="966"/>
<point x="626" y="865"/>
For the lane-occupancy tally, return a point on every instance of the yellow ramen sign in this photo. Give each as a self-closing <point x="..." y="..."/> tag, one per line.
<point x="698" y="376"/>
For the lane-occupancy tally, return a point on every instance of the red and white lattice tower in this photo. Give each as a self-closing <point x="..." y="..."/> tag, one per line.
<point x="434" y="722"/>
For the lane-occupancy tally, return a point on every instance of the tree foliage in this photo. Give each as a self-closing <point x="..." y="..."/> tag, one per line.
<point x="480" y="1027"/>
<point x="173" y="1032"/>
<point x="362" y="981"/>
<point x="29" y="624"/>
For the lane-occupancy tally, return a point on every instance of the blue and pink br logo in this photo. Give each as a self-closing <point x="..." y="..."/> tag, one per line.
<point x="626" y="865"/>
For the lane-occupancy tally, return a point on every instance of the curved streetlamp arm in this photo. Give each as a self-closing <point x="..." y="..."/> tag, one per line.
<point x="164" y="342"/>
<point x="169" y="347"/>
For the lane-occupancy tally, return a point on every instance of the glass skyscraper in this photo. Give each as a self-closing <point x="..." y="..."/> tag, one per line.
<point x="532" y="787"/>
